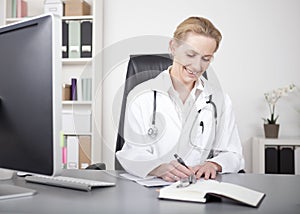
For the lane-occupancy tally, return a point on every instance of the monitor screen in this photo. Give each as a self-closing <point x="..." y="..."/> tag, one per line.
<point x="30" y="96"/>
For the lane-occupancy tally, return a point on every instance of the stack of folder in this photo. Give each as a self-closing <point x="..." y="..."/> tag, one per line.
<point x="77" y="38"/>
<point x="16" y="8"/>
<point x="81" y="90"/>
<point x="76" y="152"/>
<point x="279" y="160"/>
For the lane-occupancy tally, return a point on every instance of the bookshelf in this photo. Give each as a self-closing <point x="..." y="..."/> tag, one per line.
<point x="75" y="67"/>
<point x="78" y="61"/>
<point x="76" y="102"/>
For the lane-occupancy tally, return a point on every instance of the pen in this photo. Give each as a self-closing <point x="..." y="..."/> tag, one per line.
<point x="179" y="159"/>
<point x="192" y="178"/>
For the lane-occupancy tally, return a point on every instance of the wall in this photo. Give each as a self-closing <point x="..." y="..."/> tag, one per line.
<point x="259" y="52"/>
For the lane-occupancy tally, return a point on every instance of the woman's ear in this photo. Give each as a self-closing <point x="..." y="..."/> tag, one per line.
<point x="172" y="46"/>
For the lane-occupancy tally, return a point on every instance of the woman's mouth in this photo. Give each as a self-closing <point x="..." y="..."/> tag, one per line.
<point x="190" y="72"/>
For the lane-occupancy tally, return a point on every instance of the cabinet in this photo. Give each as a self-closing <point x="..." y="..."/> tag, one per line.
<point x="75" y="67"/>
<point x="276" y="156"/>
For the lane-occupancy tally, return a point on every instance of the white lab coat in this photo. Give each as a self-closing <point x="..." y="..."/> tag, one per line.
<point x="178" y="130"/>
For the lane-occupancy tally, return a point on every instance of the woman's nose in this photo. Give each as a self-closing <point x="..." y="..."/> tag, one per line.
<point x="197" y="65"/>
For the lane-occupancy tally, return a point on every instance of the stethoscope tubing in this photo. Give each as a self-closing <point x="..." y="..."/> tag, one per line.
<point x="153" y="131"/>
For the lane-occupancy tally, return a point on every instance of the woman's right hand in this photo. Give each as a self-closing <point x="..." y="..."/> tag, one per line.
<point x="171" y="172"/>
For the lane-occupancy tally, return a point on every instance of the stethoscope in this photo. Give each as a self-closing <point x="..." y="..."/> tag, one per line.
<point x="153" y="131"/>
<point x="212" y="135"/>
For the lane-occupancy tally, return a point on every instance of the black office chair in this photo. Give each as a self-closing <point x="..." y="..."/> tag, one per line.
<point x="140" y="68"/>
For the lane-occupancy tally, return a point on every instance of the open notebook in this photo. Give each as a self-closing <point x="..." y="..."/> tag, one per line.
<point x="197" y="192"/>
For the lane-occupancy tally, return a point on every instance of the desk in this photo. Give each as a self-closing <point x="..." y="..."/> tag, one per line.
<point x="282" y="196"/>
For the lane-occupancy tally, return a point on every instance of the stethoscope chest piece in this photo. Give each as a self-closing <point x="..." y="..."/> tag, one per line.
<point x="152" y="131"/>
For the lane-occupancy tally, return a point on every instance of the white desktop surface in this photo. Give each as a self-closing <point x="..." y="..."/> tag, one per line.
<point x="282" y="196"/>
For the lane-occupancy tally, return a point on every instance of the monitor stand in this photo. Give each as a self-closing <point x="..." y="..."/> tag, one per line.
<point x="10" y="190"/>
<point x="6" y="174"/>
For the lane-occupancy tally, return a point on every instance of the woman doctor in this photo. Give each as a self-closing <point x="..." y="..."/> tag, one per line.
<point x="192" y="118"/>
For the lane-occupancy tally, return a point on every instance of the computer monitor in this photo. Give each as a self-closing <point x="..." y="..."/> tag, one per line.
<point x="30" y="95"/>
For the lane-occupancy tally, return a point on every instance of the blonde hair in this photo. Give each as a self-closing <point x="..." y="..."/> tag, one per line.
<point x="200" y="26"/>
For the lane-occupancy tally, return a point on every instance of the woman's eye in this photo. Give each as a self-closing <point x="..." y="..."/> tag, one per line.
<point x="190" y="55"/>
<point x="205" y="59"/>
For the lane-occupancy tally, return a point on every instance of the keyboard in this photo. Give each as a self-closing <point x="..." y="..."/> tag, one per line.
<point x="68" y="182"/>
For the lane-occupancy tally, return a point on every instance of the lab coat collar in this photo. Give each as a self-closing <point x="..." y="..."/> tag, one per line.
<point x="207" y="88"/>
<point x="163" y="83"/>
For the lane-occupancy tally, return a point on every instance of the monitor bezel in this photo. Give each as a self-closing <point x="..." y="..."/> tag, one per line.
<point x="56" y="88"/>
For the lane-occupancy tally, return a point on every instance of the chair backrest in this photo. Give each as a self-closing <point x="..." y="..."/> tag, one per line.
<point x="140" y="68"/>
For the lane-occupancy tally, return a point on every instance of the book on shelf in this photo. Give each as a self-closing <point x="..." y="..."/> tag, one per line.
<point x="77" y="38"/>
<point x="21" y="8"/>
<point x="86" y="84"/>
<point x="84" y="151"/>
<point x="63" y="146"/>
<point x="72" y="152"/>
<point x="66" y="92"/>
<point x="16" y="8"/>
<point x="73" y="89"/>
<point x="76" y="151"/>
<point x="9" y="8"/>
<point x="279" y="159"/>
<point x="286" y="160"/>
<point x="65" y="39"/>
<point x="78" y="90"/>
<point x="199" y="192"/>
<point x="86" y="38"/>
<point x="74" y="38"/>
<point x="271" y="160"/>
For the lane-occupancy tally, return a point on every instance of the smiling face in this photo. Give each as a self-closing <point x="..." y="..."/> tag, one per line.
<point x="192" y="56"/>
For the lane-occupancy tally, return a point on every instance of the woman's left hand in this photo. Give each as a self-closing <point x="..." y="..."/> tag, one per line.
<point x="207" y="169"/>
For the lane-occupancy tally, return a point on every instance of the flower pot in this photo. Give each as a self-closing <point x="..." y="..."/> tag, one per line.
<point x="271" y="130"/>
